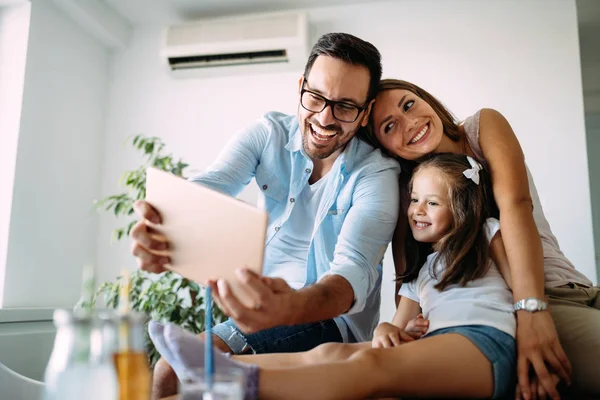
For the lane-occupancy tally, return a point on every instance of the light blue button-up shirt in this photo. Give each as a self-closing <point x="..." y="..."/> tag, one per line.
<point x="355" y="219"/>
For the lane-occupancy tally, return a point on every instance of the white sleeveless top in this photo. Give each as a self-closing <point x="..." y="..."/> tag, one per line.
<point x="558" y="269"/>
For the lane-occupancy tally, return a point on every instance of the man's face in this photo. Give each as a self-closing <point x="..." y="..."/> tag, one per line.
<point x="324" y="136"/>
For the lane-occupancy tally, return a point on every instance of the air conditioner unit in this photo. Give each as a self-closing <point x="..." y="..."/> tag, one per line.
<point x="261" y="42"/>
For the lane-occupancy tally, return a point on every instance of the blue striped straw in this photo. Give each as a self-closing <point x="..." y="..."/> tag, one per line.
<point x="208" y="350"/>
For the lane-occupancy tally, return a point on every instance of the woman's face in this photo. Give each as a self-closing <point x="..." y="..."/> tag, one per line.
<point x="405" y="124"/>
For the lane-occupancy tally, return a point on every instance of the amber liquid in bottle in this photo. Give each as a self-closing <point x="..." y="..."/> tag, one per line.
<point x="133" y="375"/>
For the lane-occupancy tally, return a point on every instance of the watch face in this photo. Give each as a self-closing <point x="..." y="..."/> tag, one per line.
<point x="531" y="304"/>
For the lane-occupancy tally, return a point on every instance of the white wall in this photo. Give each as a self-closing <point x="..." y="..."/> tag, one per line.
<point x="53" y="227"/>
<point x="518" y="56"/>
<point x="14" y="31"/>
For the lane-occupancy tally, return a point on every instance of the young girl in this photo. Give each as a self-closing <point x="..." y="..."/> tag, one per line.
<point x="470" y="348"/>
<point x="410" y="123"/>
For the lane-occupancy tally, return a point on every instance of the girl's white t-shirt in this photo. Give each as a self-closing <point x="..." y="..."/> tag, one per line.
<point x="484" y="301"/>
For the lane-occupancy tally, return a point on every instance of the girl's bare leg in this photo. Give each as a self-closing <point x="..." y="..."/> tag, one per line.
<point x="447" y="365"/>
<point x="325" y="353"/>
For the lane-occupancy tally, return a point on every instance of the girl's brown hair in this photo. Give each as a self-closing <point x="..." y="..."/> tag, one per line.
<point x="464" y="250"/>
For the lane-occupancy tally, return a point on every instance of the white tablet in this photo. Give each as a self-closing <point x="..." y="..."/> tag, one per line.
<point x="210" y="234"/>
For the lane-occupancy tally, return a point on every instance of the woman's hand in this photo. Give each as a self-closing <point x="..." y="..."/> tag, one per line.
<point x="537" y="390"/>
<point x="388" y="335"/>
<point x="539" y="347"/>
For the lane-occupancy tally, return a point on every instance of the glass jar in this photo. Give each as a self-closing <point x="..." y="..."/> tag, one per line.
<point x="80" y="366"/>
<point x="130" y="359"/>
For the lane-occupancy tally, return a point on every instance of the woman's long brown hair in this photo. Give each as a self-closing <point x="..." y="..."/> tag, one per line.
<point x="449" y="123"/>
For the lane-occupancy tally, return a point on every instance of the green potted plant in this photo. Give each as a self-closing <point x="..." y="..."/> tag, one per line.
<point x="167" y="297"/>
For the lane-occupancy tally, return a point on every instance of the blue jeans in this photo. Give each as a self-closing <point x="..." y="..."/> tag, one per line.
<point x="498" y="347"/>
<point x="281" y="339"/>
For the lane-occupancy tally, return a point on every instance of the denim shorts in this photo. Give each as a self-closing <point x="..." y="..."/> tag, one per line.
<point x="498" y="347"/>
<point x="281" y="339"/>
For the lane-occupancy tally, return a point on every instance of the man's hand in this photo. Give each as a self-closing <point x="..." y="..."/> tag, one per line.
<point x="148" y="246"/>
<point x="388" y="335"/>
<point x="273" y="301"/>
<point x="539" y="347"/>
<point x="417" y="327"/>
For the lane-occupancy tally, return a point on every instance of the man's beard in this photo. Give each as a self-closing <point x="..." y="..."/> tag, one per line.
<point x="320" y="153"/>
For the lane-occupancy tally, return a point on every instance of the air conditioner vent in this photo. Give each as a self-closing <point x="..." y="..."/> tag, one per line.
<point x="256" y="57"/>
<point x="235" y="44"/>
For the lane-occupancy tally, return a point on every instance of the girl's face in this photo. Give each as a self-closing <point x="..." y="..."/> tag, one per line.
<point x="406" y="125"/>
<point x="429" y="212"/>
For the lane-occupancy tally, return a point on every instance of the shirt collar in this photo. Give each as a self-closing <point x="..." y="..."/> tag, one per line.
<point x="295" y="142"/>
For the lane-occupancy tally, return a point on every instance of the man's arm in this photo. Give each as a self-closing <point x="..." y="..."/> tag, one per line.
<point x="326" y="299"/>
<point x="236" y="165"/>
<point x="229" y="174"/>
<point x="278" y="304"/>
<point x="365" y="234"/>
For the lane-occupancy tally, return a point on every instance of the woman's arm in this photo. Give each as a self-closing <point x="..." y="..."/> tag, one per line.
<point x="522" y="240"/>
<point x="498" y="254"/>
<point x="537" y="339"/>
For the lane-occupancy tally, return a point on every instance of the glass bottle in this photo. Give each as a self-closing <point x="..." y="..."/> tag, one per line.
<point x="130" y="359"/>
<point x="80" y="366"/>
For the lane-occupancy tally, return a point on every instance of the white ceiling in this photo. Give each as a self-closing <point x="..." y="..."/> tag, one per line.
<point x="170" y="11"/>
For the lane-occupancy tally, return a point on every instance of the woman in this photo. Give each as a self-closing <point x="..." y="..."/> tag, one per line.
<point x="409" y="123"/>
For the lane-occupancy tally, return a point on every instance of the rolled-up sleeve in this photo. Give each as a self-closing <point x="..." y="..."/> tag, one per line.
<point x="236" y="165"/>
<point x="366" y="232"/>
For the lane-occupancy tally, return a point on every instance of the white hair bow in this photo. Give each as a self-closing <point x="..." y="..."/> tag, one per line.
<point x="473" y="173"/>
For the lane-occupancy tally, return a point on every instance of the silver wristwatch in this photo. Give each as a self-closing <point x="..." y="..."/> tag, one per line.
<point x="530" y="304"/>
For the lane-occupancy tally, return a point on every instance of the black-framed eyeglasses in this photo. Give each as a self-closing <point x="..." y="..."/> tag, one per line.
<point x="341" y="110"/>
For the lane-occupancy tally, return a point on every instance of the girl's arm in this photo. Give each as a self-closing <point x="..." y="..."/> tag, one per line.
<point x="407" y="310"/>
<point x="390" y="335"/>
<point x="537" y="339"/>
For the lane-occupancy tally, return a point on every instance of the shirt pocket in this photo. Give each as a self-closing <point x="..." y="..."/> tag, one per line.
<point x="335" y="218"/>
<point x="270" y="186"/>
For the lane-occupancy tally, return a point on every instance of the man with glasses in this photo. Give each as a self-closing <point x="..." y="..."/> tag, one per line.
<point x="333" y="204"/>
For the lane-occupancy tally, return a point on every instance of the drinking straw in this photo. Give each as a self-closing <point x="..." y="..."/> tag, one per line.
<point x="124" y="309"/>
<point x="208" y="351"/>
<point x="124" y="367"/>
